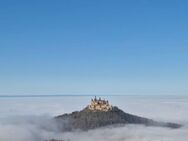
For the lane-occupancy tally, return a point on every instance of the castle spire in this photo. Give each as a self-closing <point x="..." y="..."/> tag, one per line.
<point x="95" y="98"/>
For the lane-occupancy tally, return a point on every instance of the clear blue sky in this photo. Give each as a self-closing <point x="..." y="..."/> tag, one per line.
<point x="94" y="47"/>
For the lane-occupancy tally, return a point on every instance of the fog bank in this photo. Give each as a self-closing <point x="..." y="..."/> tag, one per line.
<point x="32" y="121"/>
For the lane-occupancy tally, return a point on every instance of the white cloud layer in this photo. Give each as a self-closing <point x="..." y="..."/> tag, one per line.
<point x="26" y="119"/>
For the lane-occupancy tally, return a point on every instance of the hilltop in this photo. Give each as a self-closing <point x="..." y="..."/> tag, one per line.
<point x="100" y="114"/>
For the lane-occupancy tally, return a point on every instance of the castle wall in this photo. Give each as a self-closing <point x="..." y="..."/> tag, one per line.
<point x="100" y="105"/>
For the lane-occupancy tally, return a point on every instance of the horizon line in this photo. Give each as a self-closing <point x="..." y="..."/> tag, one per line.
<point x="82" y="95"/>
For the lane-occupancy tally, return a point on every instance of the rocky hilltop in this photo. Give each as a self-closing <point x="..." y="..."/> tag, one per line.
<point x="100" y="114"/>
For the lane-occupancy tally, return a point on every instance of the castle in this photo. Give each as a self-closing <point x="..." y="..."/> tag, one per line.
<point x="99" y="105"/>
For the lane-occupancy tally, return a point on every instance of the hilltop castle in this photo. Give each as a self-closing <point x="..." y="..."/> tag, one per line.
<point x="99" y="105"/>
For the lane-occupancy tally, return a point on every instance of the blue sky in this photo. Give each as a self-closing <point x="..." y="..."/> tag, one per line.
<point x="131" y="47"/>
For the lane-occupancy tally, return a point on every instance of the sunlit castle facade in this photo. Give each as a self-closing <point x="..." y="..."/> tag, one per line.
<point x="99" y="105"/>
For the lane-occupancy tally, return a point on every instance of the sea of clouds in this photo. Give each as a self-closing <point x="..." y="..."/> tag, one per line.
<point x="31" y="119"/>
